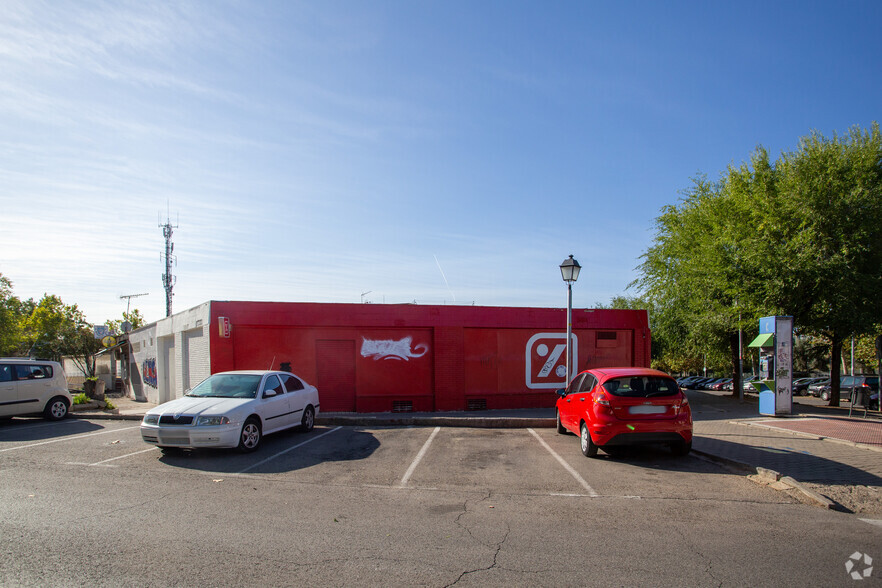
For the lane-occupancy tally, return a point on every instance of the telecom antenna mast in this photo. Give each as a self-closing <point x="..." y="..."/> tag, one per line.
<point x="168" y="280"/>
<point x="128" y="299"/>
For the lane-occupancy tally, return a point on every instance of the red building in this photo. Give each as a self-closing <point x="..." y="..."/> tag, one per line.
<point x="382" y="358"/>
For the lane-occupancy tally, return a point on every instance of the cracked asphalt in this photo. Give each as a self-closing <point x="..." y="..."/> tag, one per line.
<point x="87" y="503"/>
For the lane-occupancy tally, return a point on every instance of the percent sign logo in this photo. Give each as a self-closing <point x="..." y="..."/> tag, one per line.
<point x="546" y="360"/>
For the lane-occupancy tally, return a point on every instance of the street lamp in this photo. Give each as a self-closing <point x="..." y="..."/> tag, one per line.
<point x="569" y="271"/>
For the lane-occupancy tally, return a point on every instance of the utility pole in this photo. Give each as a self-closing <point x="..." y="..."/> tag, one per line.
<point x="168" y="280"/>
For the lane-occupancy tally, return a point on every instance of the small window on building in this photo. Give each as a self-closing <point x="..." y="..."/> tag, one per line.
<point x="607" y="339"/>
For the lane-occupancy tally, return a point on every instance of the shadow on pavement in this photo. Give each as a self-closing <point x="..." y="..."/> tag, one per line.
<point x="38" y="429"/>
<point x="800" y="465"/>
<point x="657" y="457"/>
<point x="301" y="451"/>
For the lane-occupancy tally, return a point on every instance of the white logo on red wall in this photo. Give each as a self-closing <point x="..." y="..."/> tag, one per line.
<point x="546" y="360"/>
<point x="388" y="349"/>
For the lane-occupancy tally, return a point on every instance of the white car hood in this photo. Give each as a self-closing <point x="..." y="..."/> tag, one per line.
<point x="201" y="406"/>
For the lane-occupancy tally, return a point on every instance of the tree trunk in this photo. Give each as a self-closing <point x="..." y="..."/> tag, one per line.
<point x="736" y="373"/>
<point x="835" y="371"/>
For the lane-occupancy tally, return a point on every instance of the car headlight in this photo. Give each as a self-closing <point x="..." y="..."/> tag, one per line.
<point x="212" y="421"/>
<point x="151" y="419"/>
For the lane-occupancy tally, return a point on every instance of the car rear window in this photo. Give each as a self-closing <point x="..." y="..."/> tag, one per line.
<point x="641" y="386"/>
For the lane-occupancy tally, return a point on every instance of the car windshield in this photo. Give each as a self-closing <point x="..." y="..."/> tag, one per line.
<point x="641" y="386"/>
<point x="227" y="386"/>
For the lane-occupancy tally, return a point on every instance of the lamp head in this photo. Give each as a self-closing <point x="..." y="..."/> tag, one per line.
<point x="569" y="270"/>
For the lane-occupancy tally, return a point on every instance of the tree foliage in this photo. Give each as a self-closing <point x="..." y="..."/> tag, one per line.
<point x="800" y="236"/>
<point x="11" y="317"/>
<point x="55" y="329"/>
<point x="134" y="318"/>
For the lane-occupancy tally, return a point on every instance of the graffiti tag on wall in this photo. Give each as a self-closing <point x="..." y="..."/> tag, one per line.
<point x="148" y="372"/>
<point x="387" y="349"/>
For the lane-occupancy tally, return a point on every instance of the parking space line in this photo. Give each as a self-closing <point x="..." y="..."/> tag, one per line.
<point x="75" y="437"/>
<point x="566" y="466"/>
<point x="418" y="458"/>
<point x="98" y="463"/>
<point x="279" y="454"/>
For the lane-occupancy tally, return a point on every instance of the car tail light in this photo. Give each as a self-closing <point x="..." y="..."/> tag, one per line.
<point x="602" y="403"/>
<point x="682" y="405"/>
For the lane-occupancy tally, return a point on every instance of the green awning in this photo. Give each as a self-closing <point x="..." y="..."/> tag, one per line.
<point x="764" y="340"/>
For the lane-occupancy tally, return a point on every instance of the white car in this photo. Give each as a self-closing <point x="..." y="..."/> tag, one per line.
<point x="232" y="409"/>
<point x="33" y="386"/>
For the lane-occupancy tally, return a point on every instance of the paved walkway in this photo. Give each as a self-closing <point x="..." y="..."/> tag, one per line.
<point x="817" y="444"/>
<point x="814" y="445"/>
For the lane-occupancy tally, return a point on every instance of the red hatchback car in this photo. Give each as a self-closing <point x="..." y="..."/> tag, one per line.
<point x="610" y="407"/>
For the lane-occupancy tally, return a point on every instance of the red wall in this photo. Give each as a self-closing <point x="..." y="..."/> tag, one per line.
<point x="380" y="358"/>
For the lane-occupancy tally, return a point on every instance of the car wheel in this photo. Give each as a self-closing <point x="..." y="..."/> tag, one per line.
<point x="589" y="449"/>
<point x="249" y="440"/>
<point x="308" y="420"/>
<point x="560" y="427"/>
<point x="56" y="409"/>
<point x="682" y="448"/>
<point x="825" y="396"/>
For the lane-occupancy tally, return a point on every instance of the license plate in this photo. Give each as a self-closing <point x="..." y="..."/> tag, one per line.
<point x="648" y="409"/>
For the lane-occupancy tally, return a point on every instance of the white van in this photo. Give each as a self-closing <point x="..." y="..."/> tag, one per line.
<point x="33" y="386"/>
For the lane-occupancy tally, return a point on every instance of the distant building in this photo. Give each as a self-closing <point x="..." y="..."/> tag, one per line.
<point x="384" y="357"/>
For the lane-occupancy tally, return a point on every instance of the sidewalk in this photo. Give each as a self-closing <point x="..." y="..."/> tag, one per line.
<point x="818" y="444"/>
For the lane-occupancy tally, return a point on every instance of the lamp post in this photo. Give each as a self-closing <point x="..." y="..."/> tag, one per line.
<point x="569" y="271"/>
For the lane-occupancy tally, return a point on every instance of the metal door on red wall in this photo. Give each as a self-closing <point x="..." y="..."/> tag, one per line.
<point x="335" y="369"/>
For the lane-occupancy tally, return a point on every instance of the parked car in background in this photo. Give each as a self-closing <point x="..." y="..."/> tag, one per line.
<point x="33" y="386"/>
<point x="612" y="407"/>
<point x="232" y="409"/>
<point x="865" y="384"/>
<point x="801" y="386"/>
<point x="718" y="385"/>
<point x="815" y="389"/>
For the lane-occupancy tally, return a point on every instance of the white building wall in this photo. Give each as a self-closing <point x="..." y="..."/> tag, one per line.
<point x="183" y="352"/>
<point x="143" y="366"/>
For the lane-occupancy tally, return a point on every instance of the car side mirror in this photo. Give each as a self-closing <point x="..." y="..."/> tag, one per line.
<point x="269" y="393"/>
<point x="561" y="392"/>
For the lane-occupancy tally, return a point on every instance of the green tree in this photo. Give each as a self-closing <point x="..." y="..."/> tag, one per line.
<point x="55" y="329"/>
<point x="11" y="309"/>
<point x="135" y="318"/>
<point x="692" y="277"/>
<point x="800" y="236"/>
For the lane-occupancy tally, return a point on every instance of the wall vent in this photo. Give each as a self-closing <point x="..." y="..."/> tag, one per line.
<point x="476" y="404"/>
<point x="402" y="406"/>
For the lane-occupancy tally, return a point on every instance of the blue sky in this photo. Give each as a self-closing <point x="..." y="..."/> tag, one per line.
<point x="447" y="152"/>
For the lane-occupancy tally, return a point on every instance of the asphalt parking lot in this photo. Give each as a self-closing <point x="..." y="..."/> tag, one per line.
<point x="86" y="502"/>
<point x="518" y="461"/>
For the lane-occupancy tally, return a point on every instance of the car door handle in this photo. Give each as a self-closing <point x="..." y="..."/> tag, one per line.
<point x="582" y="399"/>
